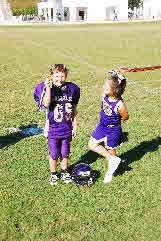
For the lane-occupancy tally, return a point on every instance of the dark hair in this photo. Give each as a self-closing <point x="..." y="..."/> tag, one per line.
<point x="59" y="67"/>
<point x="118" y="83"/>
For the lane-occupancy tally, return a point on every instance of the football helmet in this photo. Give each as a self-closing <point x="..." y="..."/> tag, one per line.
<point x="83" y="174"/>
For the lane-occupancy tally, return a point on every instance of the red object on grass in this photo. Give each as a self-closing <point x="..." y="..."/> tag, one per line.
<point x="139" y="69"/>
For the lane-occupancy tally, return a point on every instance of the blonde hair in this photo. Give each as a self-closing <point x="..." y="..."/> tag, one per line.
<point x="58" y="67"/>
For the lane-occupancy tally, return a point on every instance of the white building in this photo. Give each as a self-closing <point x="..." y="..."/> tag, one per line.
<point x="83" y="10"/>
<point x="5" y="10"/>
<point x="152" y="8"/>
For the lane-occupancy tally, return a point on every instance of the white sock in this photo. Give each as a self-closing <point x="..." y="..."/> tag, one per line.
<point x="113" y="164"/>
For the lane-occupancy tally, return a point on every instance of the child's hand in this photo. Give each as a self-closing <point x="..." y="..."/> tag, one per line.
<point x="123" y="69"/>
<point x="48" y="83"/>
<point x="74" y="133"/>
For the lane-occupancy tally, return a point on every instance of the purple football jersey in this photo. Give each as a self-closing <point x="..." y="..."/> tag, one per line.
<point x="60" y="114"/>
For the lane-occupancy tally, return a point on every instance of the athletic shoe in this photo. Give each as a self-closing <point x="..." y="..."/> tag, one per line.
<point x="66" y="177"/>
<point x="113" y="165"/>
<point x="54" y="179"/>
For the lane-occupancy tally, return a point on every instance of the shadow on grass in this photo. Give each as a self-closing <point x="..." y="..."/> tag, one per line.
<point x="136" y="154"/>
<point x="91" y="157"/>
<point x="17" y="135"/>
<point x="130" y="156"/>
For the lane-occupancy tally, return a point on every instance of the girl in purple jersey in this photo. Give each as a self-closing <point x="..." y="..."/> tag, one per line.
<point x="109" y="130"/>
<point x="60" y="98"/>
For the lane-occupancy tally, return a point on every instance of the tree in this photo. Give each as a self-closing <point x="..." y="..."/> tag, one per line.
<point x="23" y="7"/>
<point x="23" y="4"/>
<point x="134" y="3"/>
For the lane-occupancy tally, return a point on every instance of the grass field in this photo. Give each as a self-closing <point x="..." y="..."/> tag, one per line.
<point x="128" y="209"/>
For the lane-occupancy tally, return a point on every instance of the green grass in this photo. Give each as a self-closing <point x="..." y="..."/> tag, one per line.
<point x="128" y="209"/>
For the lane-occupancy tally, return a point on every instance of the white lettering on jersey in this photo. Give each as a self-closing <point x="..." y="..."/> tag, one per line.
<point x="63" y="98"/>
<point x="107" y="108"/>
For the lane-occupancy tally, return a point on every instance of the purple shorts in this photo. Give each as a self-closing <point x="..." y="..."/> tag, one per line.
<point x="110" y="135"/>
<point x="59" y="147"/>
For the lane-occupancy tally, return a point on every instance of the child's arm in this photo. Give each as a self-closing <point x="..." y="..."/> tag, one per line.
<point x="74" y="122"/>
<point x="122" y="109"/>
<point x="47" y="96"/>
<point x="76" y="98"/>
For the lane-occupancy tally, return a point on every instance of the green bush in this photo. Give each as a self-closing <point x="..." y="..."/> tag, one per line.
<point x="19" y="11"/>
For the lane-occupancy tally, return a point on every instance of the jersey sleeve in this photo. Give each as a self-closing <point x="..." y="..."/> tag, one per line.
<point x="39" y="93"/>
<point x="76" y="96"/>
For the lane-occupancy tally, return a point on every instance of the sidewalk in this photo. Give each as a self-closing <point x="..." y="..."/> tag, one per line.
<point x="15" y="23"/>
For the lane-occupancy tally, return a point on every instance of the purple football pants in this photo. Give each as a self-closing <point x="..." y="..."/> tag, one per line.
<point x="59" y="147"/>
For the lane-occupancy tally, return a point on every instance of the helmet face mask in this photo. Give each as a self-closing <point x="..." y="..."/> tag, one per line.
<point x="83" y="174"/>
<point x="84" y="180"/>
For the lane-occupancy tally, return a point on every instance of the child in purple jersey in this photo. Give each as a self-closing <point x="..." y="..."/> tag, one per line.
<point x="109" y="130"/>
<point x="61" y="99"/>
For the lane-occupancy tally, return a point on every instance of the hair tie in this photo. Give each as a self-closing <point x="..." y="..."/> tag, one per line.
<point x="115" y="73"/>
